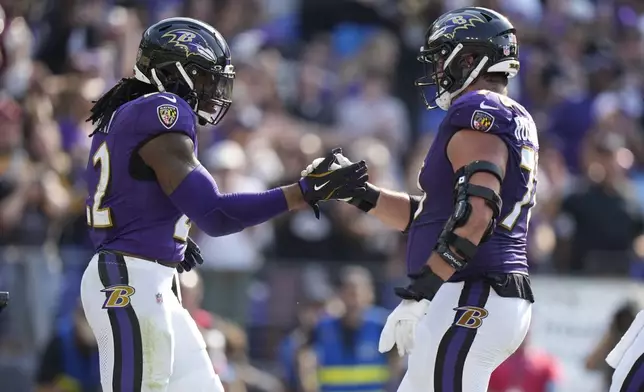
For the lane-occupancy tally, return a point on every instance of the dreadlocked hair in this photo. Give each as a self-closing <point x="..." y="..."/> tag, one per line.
<point x="127" y="89"/>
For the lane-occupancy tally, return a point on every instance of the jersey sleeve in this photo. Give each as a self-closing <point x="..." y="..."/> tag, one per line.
<point x="481" y="112"/>
<point x="163" y="112"/>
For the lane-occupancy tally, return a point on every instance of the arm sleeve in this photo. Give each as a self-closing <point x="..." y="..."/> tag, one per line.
<point x="220" y="214"/>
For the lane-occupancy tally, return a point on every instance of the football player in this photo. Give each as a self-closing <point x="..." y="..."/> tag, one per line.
<point x="146" y="186"/>
<point x="469" y="304"/>
<point x="627" y="358"/>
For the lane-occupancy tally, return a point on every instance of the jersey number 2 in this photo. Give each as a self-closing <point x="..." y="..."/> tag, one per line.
<point x="97" y="217"/>
<point x="529" y="161"/>
<point x="101" y="218"/>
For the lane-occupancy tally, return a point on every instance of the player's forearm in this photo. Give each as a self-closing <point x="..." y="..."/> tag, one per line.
<point x="392" y="209"/>
<point x="443" y="262"/>
<point x="473" y="231"/>
<point x="440" y="267"/>
<point x="478" y="222"/>
<point x="219" y="214"/>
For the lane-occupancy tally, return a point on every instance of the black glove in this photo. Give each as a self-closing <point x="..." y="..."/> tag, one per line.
<point x="325" y="183"/>
<point x="365" y="200"/>
<point x="191" y="258"/>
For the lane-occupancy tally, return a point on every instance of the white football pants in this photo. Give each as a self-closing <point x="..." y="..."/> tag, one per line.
<point x="147" y="341"/>
<point x="467" y="332"/>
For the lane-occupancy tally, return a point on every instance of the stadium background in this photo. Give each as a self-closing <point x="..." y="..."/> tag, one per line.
<point x="313" y="74"/>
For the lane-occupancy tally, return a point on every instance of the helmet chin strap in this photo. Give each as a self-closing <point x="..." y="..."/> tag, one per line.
<point x="157" y="81"/>
<point x="185" y="76"/>
<point x="140" y="76"/>
<point x="444" y="101"/>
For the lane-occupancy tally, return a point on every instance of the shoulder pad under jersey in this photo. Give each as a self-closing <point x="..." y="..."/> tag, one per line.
<point x="162" y="112"/>
<point x="482" y="110"/>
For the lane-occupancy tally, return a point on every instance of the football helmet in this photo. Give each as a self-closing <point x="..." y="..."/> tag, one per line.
<point x="189" y="58"/>
<point x="460" y="46"/>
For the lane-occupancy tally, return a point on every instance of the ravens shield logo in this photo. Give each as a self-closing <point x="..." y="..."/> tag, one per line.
<point x="168" y="115"/>
<point x="482" y="121"/>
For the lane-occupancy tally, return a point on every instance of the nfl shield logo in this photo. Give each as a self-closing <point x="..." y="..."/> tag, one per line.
<point x="159" y="298"/>
<point x="506" y="50"/>
<point x="168" y="115"/>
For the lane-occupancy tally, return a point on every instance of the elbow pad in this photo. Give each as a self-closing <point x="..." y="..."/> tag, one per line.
<point x="464" y="249"/>
<point x="217" y="214"/>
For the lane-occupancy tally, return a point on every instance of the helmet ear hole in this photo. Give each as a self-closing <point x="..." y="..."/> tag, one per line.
<point x="172" y="80"/>
<point x="467" y="61"/>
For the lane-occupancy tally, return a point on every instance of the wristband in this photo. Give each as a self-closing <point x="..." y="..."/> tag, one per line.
<point x="368" y="200"/>
<point x="424" y="285"/>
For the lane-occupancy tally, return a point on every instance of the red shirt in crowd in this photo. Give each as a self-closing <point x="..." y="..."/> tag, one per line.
<point x="527" y="371"/>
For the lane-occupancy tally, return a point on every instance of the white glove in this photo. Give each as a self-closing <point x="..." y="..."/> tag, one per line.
<point x="341" y="159"/>
<point x="400" y="328"/>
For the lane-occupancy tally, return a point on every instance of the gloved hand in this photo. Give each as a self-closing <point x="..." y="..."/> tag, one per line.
<point x="364" y="200"/>
<point x="400" y="328"/>
<point x="191" y="258"/>
<point x="328" y="181"/>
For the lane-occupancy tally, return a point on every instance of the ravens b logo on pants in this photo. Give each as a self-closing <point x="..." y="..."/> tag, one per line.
<point x="472" y="317"/>
<point x="118" y="296"/>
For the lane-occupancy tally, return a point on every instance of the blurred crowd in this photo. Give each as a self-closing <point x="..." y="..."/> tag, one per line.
<point x="311" y="74"/>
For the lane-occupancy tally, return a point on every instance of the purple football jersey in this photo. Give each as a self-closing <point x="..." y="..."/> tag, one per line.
<point x="127" y="210"/>
<point x="505" y="251"/>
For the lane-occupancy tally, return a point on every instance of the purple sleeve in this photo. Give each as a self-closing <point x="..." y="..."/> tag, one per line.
<point x="220" y="214"/>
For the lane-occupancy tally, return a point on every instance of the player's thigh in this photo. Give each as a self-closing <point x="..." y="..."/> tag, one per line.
<point x="193" y="369"/>
<point x="201" y="379"/>
<point x="93" y="298"/>
<point x="467" y="332"/>
<point x="629" y="374"/>
<point x="496" y="338"/>
<point x="421" y="360"/>
<point x="429" y="332"/>
<point x="123" y="303"/>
